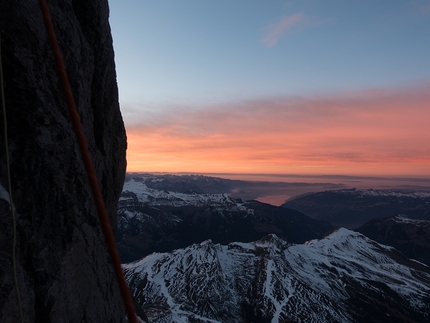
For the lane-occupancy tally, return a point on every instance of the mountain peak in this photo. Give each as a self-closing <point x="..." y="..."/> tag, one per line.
<point x="342" y="277"/>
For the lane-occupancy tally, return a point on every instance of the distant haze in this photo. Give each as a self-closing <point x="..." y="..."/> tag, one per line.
<point x="352" y="181"/>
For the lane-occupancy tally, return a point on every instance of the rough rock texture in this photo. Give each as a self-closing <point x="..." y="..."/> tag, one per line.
<point x="63" y="269"/>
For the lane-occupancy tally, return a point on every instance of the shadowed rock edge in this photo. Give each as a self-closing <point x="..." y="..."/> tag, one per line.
<point x="63" y="265"/>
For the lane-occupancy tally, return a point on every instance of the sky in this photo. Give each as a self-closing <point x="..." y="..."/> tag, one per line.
<point x="275" y="87"/>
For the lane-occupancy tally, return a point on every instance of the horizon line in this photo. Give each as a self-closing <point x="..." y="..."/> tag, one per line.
<point x="373" y="177"/>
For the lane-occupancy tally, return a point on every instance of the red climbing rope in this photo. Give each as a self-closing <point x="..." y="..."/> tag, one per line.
<point x="89" y="167"/>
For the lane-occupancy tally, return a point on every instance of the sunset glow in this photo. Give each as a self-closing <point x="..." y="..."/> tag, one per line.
<point x="276" y="87"/>
<point x="375" y="132"/>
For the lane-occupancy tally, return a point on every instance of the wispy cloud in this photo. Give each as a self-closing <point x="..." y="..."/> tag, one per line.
<point x="367" y="131"/>
<point x="285" y="25"/>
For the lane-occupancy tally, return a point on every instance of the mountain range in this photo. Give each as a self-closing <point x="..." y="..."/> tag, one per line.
<point x="247" y="190"/>
<point x="351" y="208"/>
<point x="344" y="277"/>
<point x="152" y="220"/>
<point x="208" y="257"/>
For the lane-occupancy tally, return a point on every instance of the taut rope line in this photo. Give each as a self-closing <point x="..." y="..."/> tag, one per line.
<point x="89" y="167"/>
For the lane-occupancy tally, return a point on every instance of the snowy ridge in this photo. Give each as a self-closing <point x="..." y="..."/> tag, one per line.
<point x="379" y="193"/>
<point x="157" y="198"/>
<point x="325" y="280"/>
<point x="404" y="219"/>
<point x="368" y="258"/>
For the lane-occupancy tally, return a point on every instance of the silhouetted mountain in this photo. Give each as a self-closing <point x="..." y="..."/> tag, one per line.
<point x="352" y="208"/>
<point x="410" y="236"/>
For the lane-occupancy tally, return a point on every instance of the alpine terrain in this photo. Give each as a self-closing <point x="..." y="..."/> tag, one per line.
<point x="352" y="208"/>
<point x="344" y="277"/>
<point x="410" y="236"/>
<point x="158" y="220"/>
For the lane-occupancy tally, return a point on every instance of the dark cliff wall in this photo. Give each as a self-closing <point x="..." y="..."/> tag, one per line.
<point x="63" y="266"/>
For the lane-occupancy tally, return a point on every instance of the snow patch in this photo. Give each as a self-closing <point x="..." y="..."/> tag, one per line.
<point x="155" y="197"/>
<point x="404" y="219"/>
<point x="379" y="193"/>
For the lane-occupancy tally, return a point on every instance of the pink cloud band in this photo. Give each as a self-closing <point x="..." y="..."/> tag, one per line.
<point x="368" y="129"/>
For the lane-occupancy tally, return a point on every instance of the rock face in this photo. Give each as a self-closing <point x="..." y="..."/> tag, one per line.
<point x="63" y="267"/>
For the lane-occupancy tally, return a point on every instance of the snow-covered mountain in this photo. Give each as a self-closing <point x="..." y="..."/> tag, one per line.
<point x="247" y="190"/>
<point x="344" y="277"/>
<point x="152" y="220"/>
<point x="384" y="193"/>
<point x="154" y="197"/>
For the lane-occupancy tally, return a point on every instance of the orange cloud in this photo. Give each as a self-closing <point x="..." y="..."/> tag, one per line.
<point x="372" y="132"/>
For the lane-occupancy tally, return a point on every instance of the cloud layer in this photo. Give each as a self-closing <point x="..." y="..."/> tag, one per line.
<point x="378" y="131"/>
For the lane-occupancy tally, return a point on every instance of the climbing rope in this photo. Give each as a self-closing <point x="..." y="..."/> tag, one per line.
<point x="9" y="183"/>
<point x="89" y="167"/>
